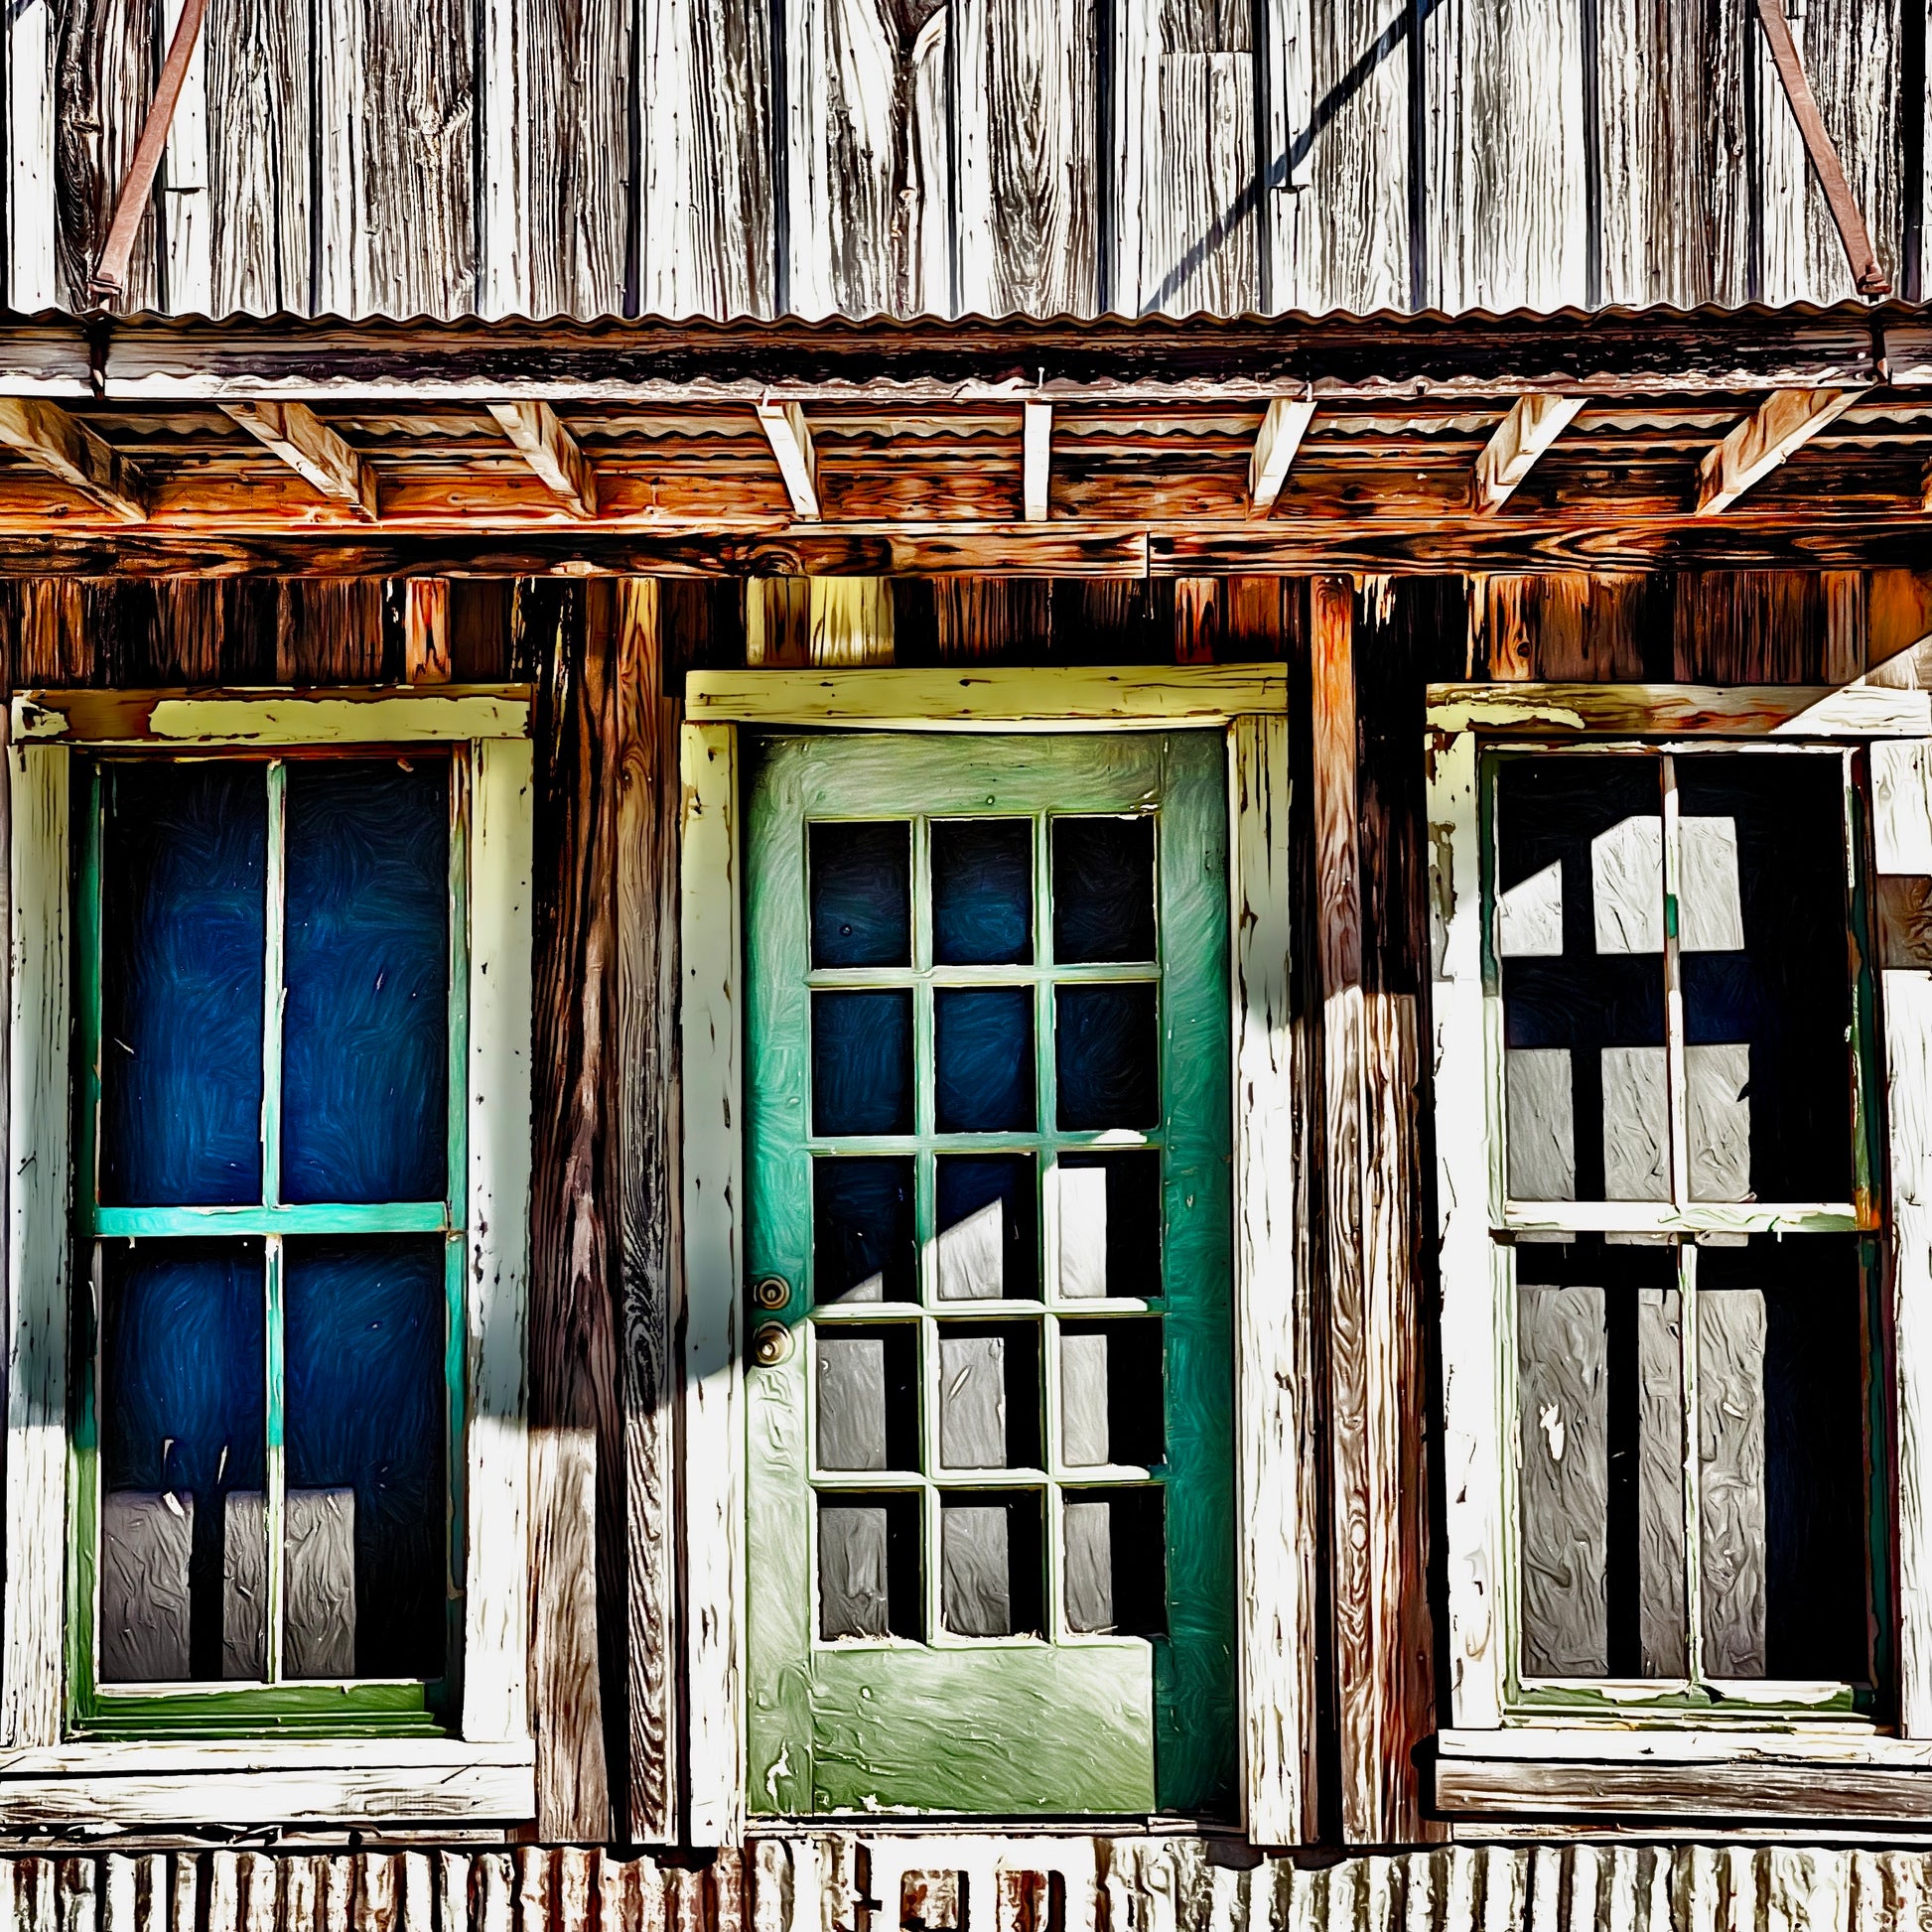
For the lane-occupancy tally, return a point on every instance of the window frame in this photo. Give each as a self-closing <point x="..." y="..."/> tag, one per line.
<point x="1502" y="1753"/>
<point x="479" y="1762"/>
<point x="1276" y="1584"/>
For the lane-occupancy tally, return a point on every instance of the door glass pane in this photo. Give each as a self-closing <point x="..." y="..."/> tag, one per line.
<point x="868" y="1401"/>
<point x="1103" y="890"/>
<point x="1782" y="1455"/>
<point x="366" y="1025"/>
<point x="863" y="1246"/>
<point x="869" y="1572"/>
<point x="1116" y="1562"/>
<point x="982" y="891"/>
<point x="1109" y="1224"/>
<point x="987" y="1247"/>
<point x="862" y="1063"/>
<point x="1767" y="1002"/>
<point x="184" y="919"/>
<point x="182" y="1446"/>
<point x="862" y="893"/>
<point x="366" y="1429"/>
<point x="1601" y="1434"/>
<point x="989" y="1396"/>
<point x="1107" y="1051"/>
<point x="989" y="1576"/>
<point x="1579" y="937"/>
<point x="983" y="1061"/>
<point x="1112" y="1407"/>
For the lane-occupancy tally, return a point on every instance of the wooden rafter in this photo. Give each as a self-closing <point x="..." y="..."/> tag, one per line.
<point x="791" y="437"/>
<point x="552" y="452"/>
<point x="314" y="450"/>
<point x="1283" y="426"/>
<point x="1531" y="426"/>
<point x="1849" y="218"/>
<point x="64" y="446"/>
<point x="1037" y="459"/>
<point x="1785" y="420"/>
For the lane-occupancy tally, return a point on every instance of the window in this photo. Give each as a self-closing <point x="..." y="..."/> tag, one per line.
<point x="271" y="1103"/>
<point x="1665" y="1336"/>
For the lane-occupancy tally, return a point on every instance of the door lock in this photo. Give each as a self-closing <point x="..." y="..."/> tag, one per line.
<point x="771" y="1291"/>
<point x="771" y="1343"/>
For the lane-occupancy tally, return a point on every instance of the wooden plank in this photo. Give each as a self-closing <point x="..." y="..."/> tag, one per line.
<point x="426" y="630"/>
<point x="1782" y="423"/>
<point x="791" y="437"/>
<point x="464" y="1794"/>
<point x="989" y="698"/>
<point x="576" y="1461"/>
<point x="65" y="446"/>
<point x="32" y="36"/>
<point x="187" y="236"/>
<point x="706" y="114"/>
<point x="496" y="1598"/>
<point x="259" y="130"/>
<point x="710" y="1022"/>
<point x="318" y="453"/>
<point x="1780" y="711"/>
<point x="1038" y="460"/>
<point x="1283" y="426"/>
<point x="850" y="621"/>
<point x="38" y="1243"/>
<point x="552" y="452"/>
<point x="1523" y="434"/>
<point x="97" y="717"/>
<point x="1278" y="1400"/>
<point x="650" y="1252"/>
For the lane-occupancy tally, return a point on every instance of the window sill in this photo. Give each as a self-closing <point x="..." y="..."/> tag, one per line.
<point x="274" y="1781"/>
<point x="1577" y="1771"/>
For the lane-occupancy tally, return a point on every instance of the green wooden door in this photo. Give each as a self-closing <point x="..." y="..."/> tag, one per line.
<point x="990" y="1393"/>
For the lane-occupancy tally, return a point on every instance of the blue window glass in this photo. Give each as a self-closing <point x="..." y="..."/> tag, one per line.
<point x="183" y="882"/>
<point x="1103" y="890"/>
<point x="365" y="1433"/>
<point x="861" y="1063"/>
<point x="982" y="891"/>
<point x="181" y="1460"/>
<point x="1108" y="1053"/>
<point x="983" y="1061"/>
<point x="862" y="893"/>
<point x="366" y="1029"/>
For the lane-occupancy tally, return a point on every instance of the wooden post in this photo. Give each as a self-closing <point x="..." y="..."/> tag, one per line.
<point x="650" y="1218"/>
<point x="426" y="630"/>
<point x="575" y="1449"/>
<point x="1377" y="1575"/>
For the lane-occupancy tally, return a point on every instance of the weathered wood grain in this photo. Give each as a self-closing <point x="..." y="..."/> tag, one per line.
<point x="52" y="440"/>
<point x="319" y="454"/>
<point x="32" y="34"/>
<point x="650" y="1208"/>
<point x="259" y="133"/>
<point x="1785" y="421"/>
<point x="577" y="1456"/>
<point x="186" y="238"/>
<point x="104" y="70"/>
<point x="426" y="630"/>
<point x="1532" y="424"/>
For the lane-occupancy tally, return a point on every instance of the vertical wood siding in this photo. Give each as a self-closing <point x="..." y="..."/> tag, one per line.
<point x="717" y="157"/>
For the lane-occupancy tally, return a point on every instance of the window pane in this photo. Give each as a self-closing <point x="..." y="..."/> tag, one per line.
<point x="1112" y="1400"/>
<point x="1766" y="981"/>
<point x="982" y="891"/>
<point x="1103" y="890"/>
<point x="868" y="1401"/>
<point x="1601" y="1434"/>
<point x="1116" y="1562"/>
<point x="983" y="1061"/>
<point x="365" y="1431"/>
<point x="1579" y="934"/>
<point x="989" y="1396"/>
<point x="1781" y="1453"/>
<point x="989" y="1564"/>
<point x="183" y="1449"/>
<point x="366" y="1029"/>
<point x="863" y="1239"/>
<point x="862" y="893"/>
<point x="861" y="1063"/>
<point x="869" y="1567"/>
<point x="1109" y="1224"/>
<point x="184" y="911"/>
<point x="1108" y="1056"/>
<point x="987" y="1243"/>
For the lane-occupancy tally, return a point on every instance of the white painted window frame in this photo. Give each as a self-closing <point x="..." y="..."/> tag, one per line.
<point x="1274" y="1531"/>
<point x="1498" y="1763"/>
<point x="486" y="1773"/>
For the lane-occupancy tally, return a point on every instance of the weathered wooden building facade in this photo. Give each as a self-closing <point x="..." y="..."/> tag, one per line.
<point x="969" y="966"/>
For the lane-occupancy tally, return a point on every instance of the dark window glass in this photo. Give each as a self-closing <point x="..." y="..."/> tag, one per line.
<point x="989" y="1564"/>
<point x="862" y="893"/>
<point x="863" y="1239"/>
<point x="989" y="1396"/>
<point x="983" y="1061"/>
<point x="1103" y="890"/>
<point x="366" y="1027"/>
<point x="182" y="1561"/>
<point x="366" y="1429"/>
<point x="982" y="891"/>
<point x="1110" y="1224"/>
<point x="1112" y="1402"/>
<point x="183" y="882"/>
<point x="868" y="1575"/>
<point x="868" y="1398"/>
<point x="988" y="1245"/>
<point x="861" y="1063"/>
<point x="1108" y="1054"/>
<point x="1116" y="1562"/>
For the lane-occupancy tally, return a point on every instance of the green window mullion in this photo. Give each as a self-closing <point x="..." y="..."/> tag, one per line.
<point x="275" y="1485"/>
<point x="274" y="1004"/>
<point x="274" y="991"/>
<point x="87" y="948"/>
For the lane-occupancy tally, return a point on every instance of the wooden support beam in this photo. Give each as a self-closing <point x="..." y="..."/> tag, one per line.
<point x="45" y="434"/>
<point x="1037" y="459"/>
<point x="1281" y="429"/>
<point x="552" y="452"/>
<point x="1785" y="420"/>
<point x="314" y="450"/>
<point x="426" y="630"/>
<point x="790" y="438"/>
<point x="1532" y="425"/>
